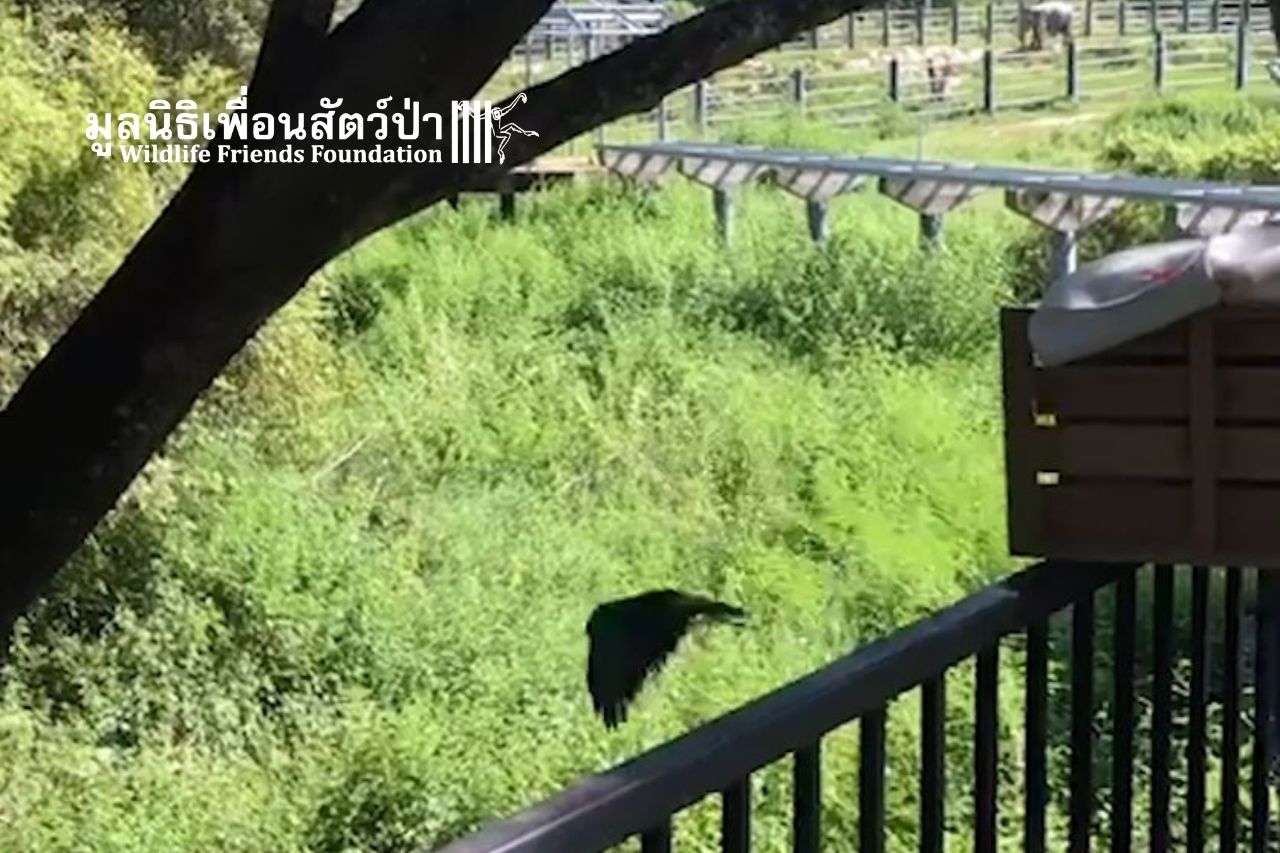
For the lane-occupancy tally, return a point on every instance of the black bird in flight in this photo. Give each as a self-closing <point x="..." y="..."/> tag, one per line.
<point x="631" y="638"/>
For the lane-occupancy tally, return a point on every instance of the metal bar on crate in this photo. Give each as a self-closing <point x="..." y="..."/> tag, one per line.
<point x="871" y="782"/>
<point x="1266" y="680"/>
<point x="1123" y="721"/>
<point x="1162" y="707"/>
<point x="1199" y="701"/>
<point x="658" y="839"/>
<point x="807" y="799"/>
<point x="1035" y="784"/>
<point x="1230" y="793"/>
<point x="735" y="817"/>
<point x="985" y="756"/>
<point x="933" y="764"/>
<point x="1081" y="781"/>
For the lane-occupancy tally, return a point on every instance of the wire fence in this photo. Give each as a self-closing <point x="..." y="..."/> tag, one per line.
<point x="946" y="83"/>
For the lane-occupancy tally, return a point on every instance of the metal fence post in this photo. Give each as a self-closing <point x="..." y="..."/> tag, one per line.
<point x="1242" y="55"/>
<point x="895" y="80"/>
<point x="663" y="131"/>
<point x="921" y="22"/>
<point x="988" y="82"/>
<point x="1162" y="58"/>
<point x="955" y="23"/>
<point x="1088" y="17"/>
<point x="528" y="62"/>
<point x="550" y="48"/>
<point x="885" y="26"/>
<point x="819" y="228"/>
<point x="1153" y="15"/>
<point x="1215" y="16"/>
<point x="1186" y="16"/>
<point x="814" y="39"/>
<point x="851" y="31"/>
<point x="722" y="201"/>
<point x="1073" y="73"/>
<point x="798" y="89"/>
<point x="989" y="23"/>
<point x="700" y="104"/>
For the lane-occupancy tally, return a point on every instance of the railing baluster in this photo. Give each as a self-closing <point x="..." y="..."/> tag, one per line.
<point x="984" y="752"/>
<point x="1262" y="746"/>
<point x="1122" y="735"/>
<point x="807" y="800"/>
<point x="1162" y="712"/>
<point x="933" y="764"/>
<point x="1230" y="714"/>
<point x="735" y="817"/>
<point x="1199" y="700"/>
<point x="871" y="783"/>
<point x="658" y="839"/>
<point x="1081" y="724"/>
<point x="1036" y="793"/>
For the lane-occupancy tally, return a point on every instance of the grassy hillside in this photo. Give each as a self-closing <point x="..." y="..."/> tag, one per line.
<point x="345" y="610"/>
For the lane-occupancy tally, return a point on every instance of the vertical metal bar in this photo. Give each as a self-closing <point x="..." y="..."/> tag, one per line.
<point x="507" y="205"/>
<point x="1199" y="700"/>
<point x="735" y="817"/>
<point x="922" y="22"/>
<point x="807" y="800"/>
<point x="1185" y="24"/>
<point x="930" y="231"/>
<point x="885" y="29"/>
<point x="871" y="783"/>
<point x="663" y="130"/>
<point x="1230" y="795"/>
<point x="798" y="89"/>
<point x="722" y="202"/>
<point x="1081" y="782"/>
<point x="1123" y="723"/>
<point x="1153" y="15"/>
<point x="1215" y="16"/>
<point x="1161" y="59"/>
<point x="1263" y="708"/>
<point x="955" y="23"/>
<point x="1242" y="56"/>
<point x="1122" y="17"/>
<point x="1088" y="18"/>
<point x="1162" y="717"/>
<point x="851" y="30"/>
<point x="700" y="104"/>
<point x="984" y="752"/>
<point x="895" y="80"/>
<point x="933" y="764"/>
<point x="1036" y="785"/>
<point x="658" y="839"/>
<point x="1073" y="72"/>
<point x="528" y="62"/>
<point x="989" y="23"/>
<point x="816" y="212"/>
<point x="988" y="81"/>
<point x="1064" y="252"/>
<point x="814" y="39"/>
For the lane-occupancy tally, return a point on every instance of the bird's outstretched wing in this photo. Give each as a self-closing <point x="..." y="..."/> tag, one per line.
<point x="631" y="638"/>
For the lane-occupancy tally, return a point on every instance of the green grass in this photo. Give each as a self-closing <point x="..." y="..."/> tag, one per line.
<point x="345" y="610"/>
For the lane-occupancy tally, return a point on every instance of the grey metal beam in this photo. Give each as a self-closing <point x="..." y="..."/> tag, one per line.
<point x="1205" y="193"/>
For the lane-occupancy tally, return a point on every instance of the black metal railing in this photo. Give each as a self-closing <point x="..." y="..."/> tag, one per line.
<point x="640" y="797"/>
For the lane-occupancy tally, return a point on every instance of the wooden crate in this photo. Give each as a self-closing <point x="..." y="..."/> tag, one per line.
<point x="1165" y="449"/>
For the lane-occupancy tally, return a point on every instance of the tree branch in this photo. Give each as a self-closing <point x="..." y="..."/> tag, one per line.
<point x="291" y="43"/>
